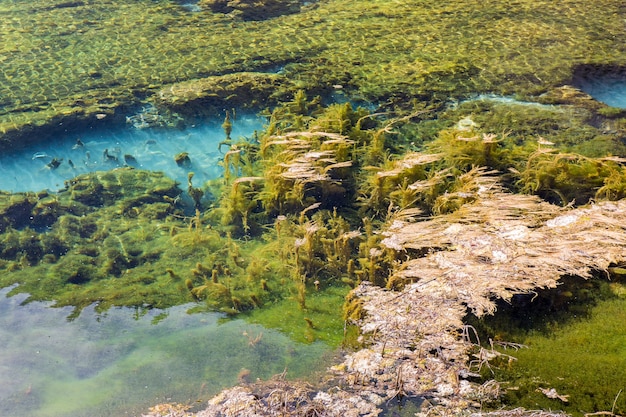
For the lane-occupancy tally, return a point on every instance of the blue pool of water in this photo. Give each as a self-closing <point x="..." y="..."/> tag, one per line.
<point x="35" y="168"/>
<point x="608" y="88"/>
<point x="122" y="362"/>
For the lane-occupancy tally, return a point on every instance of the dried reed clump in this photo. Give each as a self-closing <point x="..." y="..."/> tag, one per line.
<point x="416" y="343"/>
<point x="504" y="244"/>
<point x="414" y="348"/>
<point x="409" y="162"/>
<point x="494" y="247"/>
<point x="305" y="160"/>
<point x="280" y="398"/>
<point x="302" y="166"/>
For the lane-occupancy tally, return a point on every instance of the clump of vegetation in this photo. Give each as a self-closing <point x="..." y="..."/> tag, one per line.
<point x="297" y="210"/>
<point x="573" y="179"/>
<point x="566" y="340"/>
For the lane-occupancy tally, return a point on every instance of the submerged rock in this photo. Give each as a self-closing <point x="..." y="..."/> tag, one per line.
<point x="253" y="9"/>
<point x="237" y="90"/>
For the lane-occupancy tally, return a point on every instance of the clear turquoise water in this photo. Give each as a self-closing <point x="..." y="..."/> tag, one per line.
<point x="150" y="148"/>
<point x="123" y="361"/>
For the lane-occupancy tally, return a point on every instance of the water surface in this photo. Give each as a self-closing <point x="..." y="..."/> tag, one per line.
<point x="607" y="87"/>
<point x="125" y="360"/>
<point x="35" y="168"/>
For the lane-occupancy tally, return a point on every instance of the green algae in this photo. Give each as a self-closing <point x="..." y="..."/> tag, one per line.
<point x="91" y="232"/>
<point x="318" y="321"/>
<point x="117" y="238"/>
<point x="64" y="63"/>
<point x="120" y="238"/>
<point x="574" y="343"/>
<point x="293" y="223"/>
<point x="296" y="209"/>
<point x="270" y="239"/>
<point x="557" y="152"/>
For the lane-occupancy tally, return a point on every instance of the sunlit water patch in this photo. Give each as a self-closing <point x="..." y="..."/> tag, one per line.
<point x="121" y="362"/>
<point x="190" y="5"/>
<point x="49" y="165"/>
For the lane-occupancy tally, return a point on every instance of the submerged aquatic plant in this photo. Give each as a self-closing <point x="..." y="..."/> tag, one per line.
<point x="299" y="210"/>
<point x="570" y="178"/>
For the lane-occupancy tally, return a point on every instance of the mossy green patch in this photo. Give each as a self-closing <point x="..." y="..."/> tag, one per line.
<point x="574" y="338"/>
<point x="118" y="238"/>
<point x="68" y="62"/>
<point x="557" y="152"/>
<point x="319" y="321"/>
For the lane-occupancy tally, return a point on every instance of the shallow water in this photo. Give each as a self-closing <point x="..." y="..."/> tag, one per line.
<point x="119" y="362"/>
<point x="152" y="149"/>
<point x="607" y="88"/>
<point x="123" y="361"/>
<point x="573" y="342"/>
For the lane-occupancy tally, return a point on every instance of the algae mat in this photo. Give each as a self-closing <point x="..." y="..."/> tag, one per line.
<point x="63" y="61"/>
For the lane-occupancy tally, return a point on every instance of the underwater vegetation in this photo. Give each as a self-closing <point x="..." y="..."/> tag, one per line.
<point x="304" y="210"/>
<point x="123" y="237"/>
<point x="470" y="97"/>
<point x="298" y="208"/>
<point x="86" y="63"/>
<point x="252" y="9"/>
<point x="118" y="238"/>
<point x="569" y="340"/>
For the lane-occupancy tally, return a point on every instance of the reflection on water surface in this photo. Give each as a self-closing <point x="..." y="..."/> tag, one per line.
<point x="123" y="361"/>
